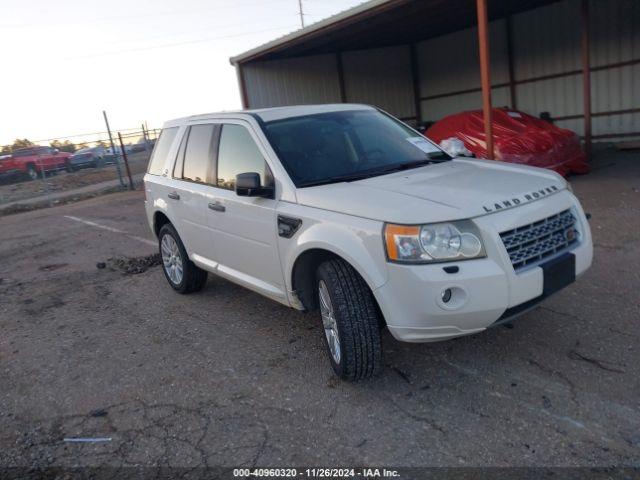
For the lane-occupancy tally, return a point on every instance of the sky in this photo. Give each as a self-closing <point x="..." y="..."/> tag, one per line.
<point x="65" y="61"/>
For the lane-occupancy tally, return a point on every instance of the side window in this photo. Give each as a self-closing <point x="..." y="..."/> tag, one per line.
<point x="238" y="153"/>
<point x="177" y="168"/>
<point x="161" y="150"/>
<point x="198" y="158"/>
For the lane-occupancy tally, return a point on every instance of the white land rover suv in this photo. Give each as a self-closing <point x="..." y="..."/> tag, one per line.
<point x="346" y="210"/>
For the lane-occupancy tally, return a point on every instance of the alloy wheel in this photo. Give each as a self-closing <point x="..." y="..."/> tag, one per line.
<point x="329" y="322"/>
<point x="171" y="259"/>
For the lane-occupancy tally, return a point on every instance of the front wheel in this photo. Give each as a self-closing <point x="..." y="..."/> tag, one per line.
<point x="350" y="321"/>
<point x="181" y="273"/>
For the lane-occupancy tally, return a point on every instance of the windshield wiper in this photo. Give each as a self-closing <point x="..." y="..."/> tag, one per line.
<point x="347" y="177"/>
<point x="437" y="158"/>
<point x="354" y="176"/>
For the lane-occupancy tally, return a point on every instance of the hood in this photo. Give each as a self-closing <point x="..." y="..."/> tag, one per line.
<point x="458" y="189"/>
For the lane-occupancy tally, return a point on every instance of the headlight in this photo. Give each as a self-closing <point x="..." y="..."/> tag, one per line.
<point x="437" y="242"/>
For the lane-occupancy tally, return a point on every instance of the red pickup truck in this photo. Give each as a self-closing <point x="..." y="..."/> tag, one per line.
<point x="32" y="161"/>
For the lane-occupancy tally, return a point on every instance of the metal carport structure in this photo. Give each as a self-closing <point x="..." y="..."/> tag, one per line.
<point x="422" y="59"/>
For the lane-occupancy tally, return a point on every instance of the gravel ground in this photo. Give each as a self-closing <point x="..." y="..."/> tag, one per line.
<point x="95" y="344"/>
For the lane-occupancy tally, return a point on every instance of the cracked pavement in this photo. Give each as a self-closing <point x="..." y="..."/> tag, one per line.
<point x="226" y="378"/>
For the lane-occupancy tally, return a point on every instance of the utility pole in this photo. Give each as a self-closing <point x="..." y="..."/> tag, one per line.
<point x="145" y="137"/>
<point x="126" y="162"/>
<point x="113" y="149"/>
<point x="301" y="13"/>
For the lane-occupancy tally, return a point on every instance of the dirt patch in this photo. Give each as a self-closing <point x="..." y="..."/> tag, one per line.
<point x="44" y="202"/>
<point x="135" y="265"/>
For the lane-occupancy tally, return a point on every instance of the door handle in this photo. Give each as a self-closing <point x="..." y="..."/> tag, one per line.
<point x="173" y="196"/>
<point x="217" y="206"/>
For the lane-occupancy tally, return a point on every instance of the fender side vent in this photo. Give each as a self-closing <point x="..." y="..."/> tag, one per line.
<point x="288" y="226"/>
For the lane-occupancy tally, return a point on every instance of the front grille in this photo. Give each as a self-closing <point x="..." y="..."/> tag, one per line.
<point x="530" y="244"/>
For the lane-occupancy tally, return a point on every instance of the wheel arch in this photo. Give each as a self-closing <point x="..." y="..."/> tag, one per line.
<point x="160" y="219"/>
<point x="302" y="274"/>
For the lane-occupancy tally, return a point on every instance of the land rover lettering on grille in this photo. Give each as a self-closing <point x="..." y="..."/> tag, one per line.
<point x="515" y="201"/>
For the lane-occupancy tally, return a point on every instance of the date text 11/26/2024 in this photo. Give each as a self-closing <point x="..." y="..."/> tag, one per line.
<point x="315" y="473"/>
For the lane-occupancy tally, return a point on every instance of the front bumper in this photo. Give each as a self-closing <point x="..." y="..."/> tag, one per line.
<point x="483" y="289"/>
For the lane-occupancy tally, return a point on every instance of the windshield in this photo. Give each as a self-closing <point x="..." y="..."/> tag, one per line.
<point x="347" y="146"/>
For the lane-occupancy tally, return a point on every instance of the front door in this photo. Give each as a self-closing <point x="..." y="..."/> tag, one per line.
<point x="244" y="229"/>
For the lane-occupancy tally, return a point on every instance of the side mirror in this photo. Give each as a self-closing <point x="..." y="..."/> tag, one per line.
<point x="248" y="185"/>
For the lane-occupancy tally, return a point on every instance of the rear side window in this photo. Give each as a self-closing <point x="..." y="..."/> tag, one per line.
<point x="161" y="149"/>
<point x="198" y="157"/>
<point x="238" y="153"/>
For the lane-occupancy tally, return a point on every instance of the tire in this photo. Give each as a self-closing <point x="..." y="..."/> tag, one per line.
<point x="32" y="172"/>
<point x="192" y="278"/>
<point x="355" y="319"/>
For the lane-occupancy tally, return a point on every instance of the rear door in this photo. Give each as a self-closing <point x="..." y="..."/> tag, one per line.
<point x="244" y="229"/>
<point x="193" y="176"/>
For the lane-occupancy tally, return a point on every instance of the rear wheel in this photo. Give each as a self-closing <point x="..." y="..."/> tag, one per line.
<point x="181" y="273"/>
<point x="350" y="321"/>
<point x="32" y="172"/>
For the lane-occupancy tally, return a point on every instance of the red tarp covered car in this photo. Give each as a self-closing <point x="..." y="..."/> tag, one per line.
<point x="518" y="138"/>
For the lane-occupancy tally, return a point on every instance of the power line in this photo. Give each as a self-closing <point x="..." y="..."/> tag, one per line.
<point x="146" y="15"/>
<point x="175" y="44"/>
<point x="170" y="35"/>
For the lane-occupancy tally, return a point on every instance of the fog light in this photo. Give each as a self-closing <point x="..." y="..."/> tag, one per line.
<point x="446" y="295"/>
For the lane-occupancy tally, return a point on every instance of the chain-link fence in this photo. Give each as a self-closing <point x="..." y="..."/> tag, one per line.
<point x="56" y="171"/>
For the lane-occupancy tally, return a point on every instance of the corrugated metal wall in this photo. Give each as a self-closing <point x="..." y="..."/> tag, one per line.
<point x="295" y="81"/>
<point x="615" y="28"/>
<point x="558" y="50"/>
<point x="450" y="63"/>
<point x="381" y="77"/>
<point x="545" y="41"/>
